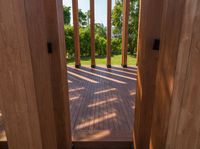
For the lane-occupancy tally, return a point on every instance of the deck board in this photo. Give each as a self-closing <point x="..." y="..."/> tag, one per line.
<point x="2" y="129"/>
<point x="104" y="108"/>
<point x="101" y="104"/>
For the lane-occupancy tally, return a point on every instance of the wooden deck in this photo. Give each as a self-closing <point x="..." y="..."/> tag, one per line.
<point x="2" y="130"/>
<point x="102" y="103"/>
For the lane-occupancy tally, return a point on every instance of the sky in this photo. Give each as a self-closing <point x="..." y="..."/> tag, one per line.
<point x="100" y="9"/>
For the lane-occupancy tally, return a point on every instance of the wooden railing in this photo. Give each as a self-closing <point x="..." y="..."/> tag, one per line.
<point x="126" y="4"/>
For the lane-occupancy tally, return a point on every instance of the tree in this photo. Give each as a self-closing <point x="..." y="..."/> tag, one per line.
<point x="85" y="37"/>
<point x="88" y="16"/>
<point x="117" y="19"/>
<point x="82" y="18"/>
<point x="133" y="26"/>
<point x="67" y="15"/>
<point x="85" y="41"/>
<point x="100" y="30"/>
<point x="69" y="39"/>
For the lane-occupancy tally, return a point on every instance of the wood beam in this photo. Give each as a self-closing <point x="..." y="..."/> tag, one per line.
<point x="126" y="5"/>
<point x="109" y="26"/>
<point x="22" y="98"/>
<point x="182" y="132"/>
<point x="92" y="32"/>
<point x="176" y="122"/>
<point x="149" y="29"/>
<point x="54" y="26"/>
<point x="27" y="84"/>
<point x="76" y="33"/>
<point x="168" y="101"/>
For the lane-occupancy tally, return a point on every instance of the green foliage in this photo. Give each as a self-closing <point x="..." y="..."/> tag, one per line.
<point x="100" y="45"/>
<point x="83" y="19"/>
<point x="133" y="26"/>
<point x="69" y="40"/>
<point x="100" y="31"/>
<point x="85" y="38"/>
<point x="85" y="41"/>
<point x="67" y="15"/>
<point x="117" y="19"/>
<point x="88" y="17"/>
<point x="100" y="39"/>
<point x="116" y="46"/>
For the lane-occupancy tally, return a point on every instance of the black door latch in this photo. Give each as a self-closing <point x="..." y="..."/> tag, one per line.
<point x="49" y="47"/>
<point x="156" y="44"/>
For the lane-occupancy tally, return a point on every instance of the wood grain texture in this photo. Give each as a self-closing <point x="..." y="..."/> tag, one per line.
<point x="18" y="100"/>
<point x="102" y="103"/>
<point x="149" y="29"/>
<point x="57" y="62"/>
<point x="170" y="41"/>
<point x="76" y="32"/>
<point x="183" y="131"/>
<point x="37" y="37"/>
<point x="92" y="32"/>
<point x="126" y="5"/>
<point x="27" y="99"/>
<point x="109" y="26"/>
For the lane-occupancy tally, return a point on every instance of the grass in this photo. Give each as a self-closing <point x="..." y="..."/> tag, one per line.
<point x="115" y="60"/>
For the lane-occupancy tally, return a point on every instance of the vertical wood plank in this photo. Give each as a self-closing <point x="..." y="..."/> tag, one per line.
<point x="188" y="130"/>
<point x="170" y="42"/>
<point x="76" y="33"/>
<point x="55" y="35"/>
<point x="37" y="37"/>
<point x="149" y="29"/>
<point x="126" y="5"/>
<point x="175" y="122"/>
<point x="186" y="91"/>
<point x="33" y="118"/>
<point x="108" y="46"/>
<point x="26" y="100"/>
<point x="92" y="33"/>
<point x="17" y="93"/>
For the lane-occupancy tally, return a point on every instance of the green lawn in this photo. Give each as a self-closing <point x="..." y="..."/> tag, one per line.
<point x="115" y="60"/>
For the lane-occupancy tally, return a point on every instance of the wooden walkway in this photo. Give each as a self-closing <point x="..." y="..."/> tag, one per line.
<point x="2" y="130"/>
<point x="102" y="103"/>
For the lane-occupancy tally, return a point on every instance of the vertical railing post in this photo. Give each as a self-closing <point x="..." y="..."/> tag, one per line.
<point x="92" y="32"/>
<point x="126" y="5"/>
<point x="108" y="47"/>
<point x="76" y="33"/>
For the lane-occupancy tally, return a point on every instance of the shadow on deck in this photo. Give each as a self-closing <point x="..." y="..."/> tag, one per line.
<point x="2" y="129"/>
<point x="102" y="103"/>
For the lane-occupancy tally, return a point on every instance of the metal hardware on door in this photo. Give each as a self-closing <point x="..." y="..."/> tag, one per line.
<point x="156" y="44"/>
<point x="49" y="47"/>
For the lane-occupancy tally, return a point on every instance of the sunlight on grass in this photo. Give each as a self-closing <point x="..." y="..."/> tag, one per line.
<point x="115" y="60"/>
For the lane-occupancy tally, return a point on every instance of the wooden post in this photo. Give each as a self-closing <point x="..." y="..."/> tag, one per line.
<point x="183" y="129"/>
<point x="149" y="30"/>
<point x="92" y="32"/>
<point x="108" y="47"/>
<point x="76" y="33"/>
<point x="54" y="26"/>
<point x="168" y="98"/>
<point x="126" y="5"/>
<point x="27" y="84"/>
<point x="176" y="112"/>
